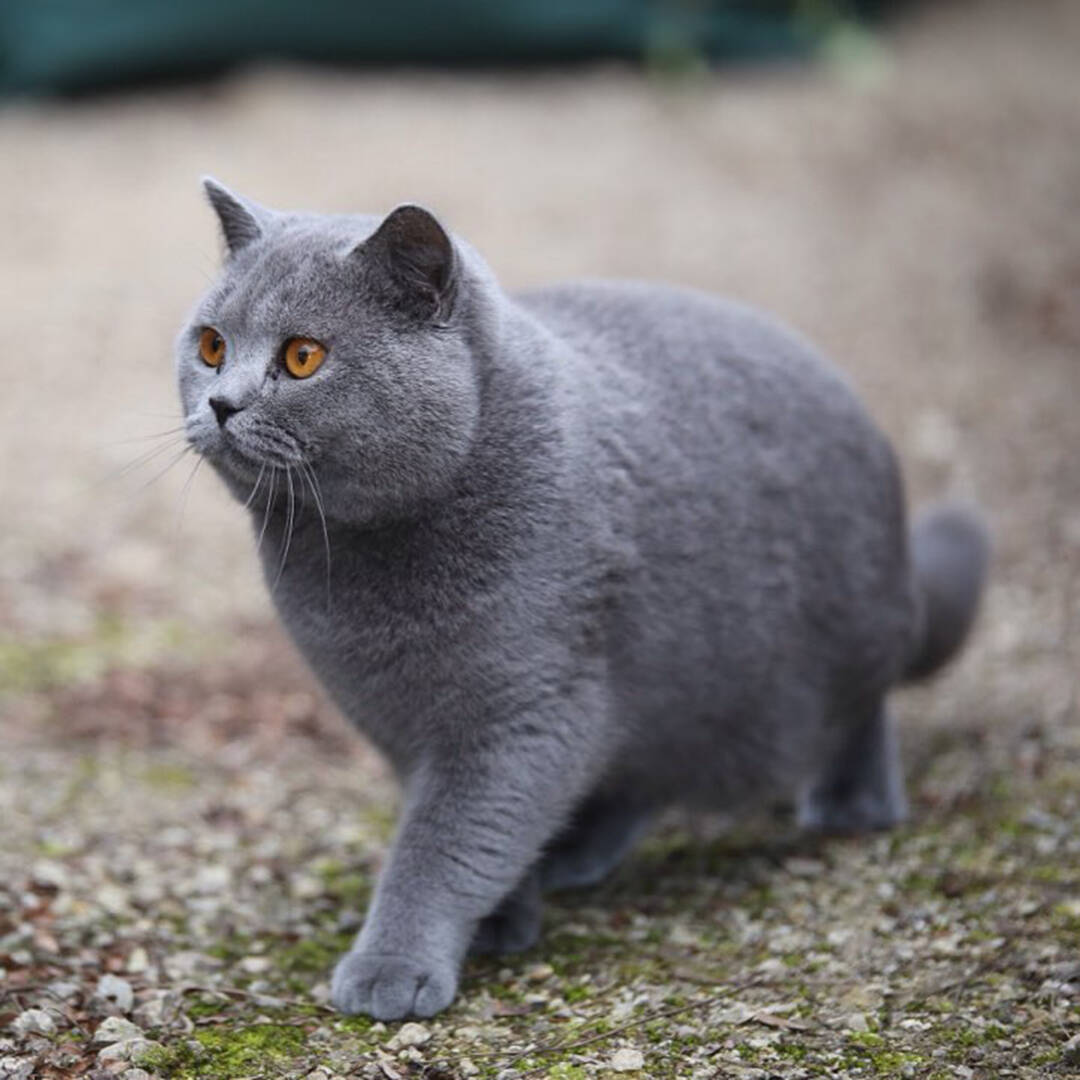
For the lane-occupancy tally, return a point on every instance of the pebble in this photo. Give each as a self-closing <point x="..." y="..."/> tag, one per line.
<point x="1070" y="1052"/>
<point x="157" y="1010"/>
<point x="539" y="972"/>
<point x="133" y="1050"/>
<point x="51" y="874"/>
<point x="136" y="1074"/>
<point x="856" y="1022"/>
<point x="468" y="1067"/>
<point x="65" y="989"/>
<point x="256" y="965"/>
<point x="627" y="1060"/>
<point x="411" y="1034"/>
<point x="114" y="1029"/>
<point x="113" y="899"/>
<point x="138" y="960"/>
<point x="34" y="1022"/>
<point x="17" y="1068"/>
<point x="115" y="991"/>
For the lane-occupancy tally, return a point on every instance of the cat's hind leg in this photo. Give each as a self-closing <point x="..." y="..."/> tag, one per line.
<point x="515" y="924"/>
<point x="862" y="787"/>
<point x="599" y="836"/>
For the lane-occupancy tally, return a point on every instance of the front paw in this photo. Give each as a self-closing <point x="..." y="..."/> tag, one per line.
<point x="389" y="986"/>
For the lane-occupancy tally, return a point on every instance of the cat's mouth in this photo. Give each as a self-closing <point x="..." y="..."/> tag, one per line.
<point x="246" y="452"/>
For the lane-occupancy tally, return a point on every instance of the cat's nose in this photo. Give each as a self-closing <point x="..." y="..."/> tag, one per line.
<point x="223" y="409"/>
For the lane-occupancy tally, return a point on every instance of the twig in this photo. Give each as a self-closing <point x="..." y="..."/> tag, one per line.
<point x="232" y="991"/>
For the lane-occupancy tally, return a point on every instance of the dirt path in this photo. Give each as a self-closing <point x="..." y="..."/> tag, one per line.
<point x="183" y="816"/>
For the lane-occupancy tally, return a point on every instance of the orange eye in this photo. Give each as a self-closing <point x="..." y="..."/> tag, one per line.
<point x="211" y="347"/>
<point x="303" y="357"/>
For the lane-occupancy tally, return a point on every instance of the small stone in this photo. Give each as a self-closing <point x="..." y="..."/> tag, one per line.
<point x="1070" y="1052"/>
<point x="51" y="875"/>
<point x="411" y="1034"/>
<point x="627" y="1060"/>
<point x="256" y="965"/>
<point x="113" y="899"/>
<point x="34" y="1022"/>
<point x="683" y="936"/>
<point x="64" y="989"/>
<point x="539" y="972"/>
<point x="138" y="961"/>
<point x="798" y="866"/>
<point x="856" y="1022"/>
<point x="467" y="1067"/>
<point x="158" y="1010"/>
<point x="116" y="992"/>
<point x="211" y="880"/>
<point x="135" y="1074"/>
<point x="17" y="1068"/>
<point x="133" y="1050"/>
<point x="114" y="1029"/>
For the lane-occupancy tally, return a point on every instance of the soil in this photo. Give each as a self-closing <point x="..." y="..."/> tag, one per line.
<point x="190" y="832"/>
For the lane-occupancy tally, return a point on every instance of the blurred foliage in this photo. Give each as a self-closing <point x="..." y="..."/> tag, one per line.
<point x="66" y="46"/>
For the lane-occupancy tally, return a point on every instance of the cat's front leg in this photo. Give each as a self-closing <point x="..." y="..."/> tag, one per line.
<point x="469" y="835"/>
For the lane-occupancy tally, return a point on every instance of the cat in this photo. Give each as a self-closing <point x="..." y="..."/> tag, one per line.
<point x="567" y="557"/>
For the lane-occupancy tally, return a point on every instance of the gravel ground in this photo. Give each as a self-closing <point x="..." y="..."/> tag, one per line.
<point x="189" y="832"/>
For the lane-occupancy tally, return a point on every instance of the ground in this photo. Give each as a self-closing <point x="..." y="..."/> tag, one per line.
<point x="190" y="832"/>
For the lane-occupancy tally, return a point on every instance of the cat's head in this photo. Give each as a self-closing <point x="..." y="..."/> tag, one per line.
<point x="342" y="348"/>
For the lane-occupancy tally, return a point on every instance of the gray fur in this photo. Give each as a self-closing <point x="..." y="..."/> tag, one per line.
<point x="588" y="551"/>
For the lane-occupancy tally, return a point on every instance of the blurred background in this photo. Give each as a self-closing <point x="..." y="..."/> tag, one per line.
<point x="899" y="181"/>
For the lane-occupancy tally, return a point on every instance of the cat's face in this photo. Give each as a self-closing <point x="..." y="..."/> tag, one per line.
<point x="331" y="353"/>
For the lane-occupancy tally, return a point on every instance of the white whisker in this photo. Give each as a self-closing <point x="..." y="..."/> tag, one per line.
<point x="309" y="474"/>
<point x="158" y="475"/>
<point x="258" y="480"/>
<point x="184" y="491"/>
<point x="271" y="493"/>
<point x="289" y="522"/>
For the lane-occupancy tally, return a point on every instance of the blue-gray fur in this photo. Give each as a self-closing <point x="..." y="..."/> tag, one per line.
<point x="588" y="551"/>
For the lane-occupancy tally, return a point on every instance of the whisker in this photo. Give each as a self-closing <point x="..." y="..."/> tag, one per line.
<point x="258" y="480"/>
<point x="145" y="438"/>
<point x="137" y="463"/>
<point x="289" y="522"/>
<point x="184" y="491"/>
<point x="309" y="474"/>
<point x="158" y="475"/>
<point x="271" y="492"/>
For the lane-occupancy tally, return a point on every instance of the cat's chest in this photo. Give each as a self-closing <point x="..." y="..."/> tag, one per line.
<point x="386" y="646"/>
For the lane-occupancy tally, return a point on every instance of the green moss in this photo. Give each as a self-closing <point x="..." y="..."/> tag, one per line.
<point x="312" y="955"/>
<point x="229" y="1053"/>
<point x="205" y="1006"/>
<point x="35" y="664"/>
<point x="168" y="777"/>
<point x="567" y="1072"/>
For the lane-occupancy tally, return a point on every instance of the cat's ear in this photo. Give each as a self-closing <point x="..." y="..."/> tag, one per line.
<point x="417" y="254"/>
<point x="241" y="220"/>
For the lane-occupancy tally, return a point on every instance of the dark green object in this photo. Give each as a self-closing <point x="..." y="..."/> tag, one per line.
<point x="68" y="46"/>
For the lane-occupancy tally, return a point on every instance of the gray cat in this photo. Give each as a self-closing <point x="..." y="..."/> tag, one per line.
<point x="566" y="557"/>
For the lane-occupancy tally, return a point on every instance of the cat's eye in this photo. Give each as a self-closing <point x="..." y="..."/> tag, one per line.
<point x="303" y="357"/>
<point x="211" y="347"/>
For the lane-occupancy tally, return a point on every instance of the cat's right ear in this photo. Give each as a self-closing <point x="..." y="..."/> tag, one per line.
<point x="241" y="220"/>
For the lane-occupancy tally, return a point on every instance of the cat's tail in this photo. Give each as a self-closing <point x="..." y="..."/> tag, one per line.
<point x="950" y="551"/>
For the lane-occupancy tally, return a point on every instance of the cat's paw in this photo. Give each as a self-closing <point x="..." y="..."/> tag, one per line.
<point x="388" y="986"/>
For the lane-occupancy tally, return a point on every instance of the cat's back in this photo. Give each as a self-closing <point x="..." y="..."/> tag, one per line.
<point x="751" y="489"/>
<point x="678" y="375"/>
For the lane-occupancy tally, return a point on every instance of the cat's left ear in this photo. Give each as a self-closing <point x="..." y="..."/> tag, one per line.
<point x="417" y="254"/>
<point x="242" y="221"/>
